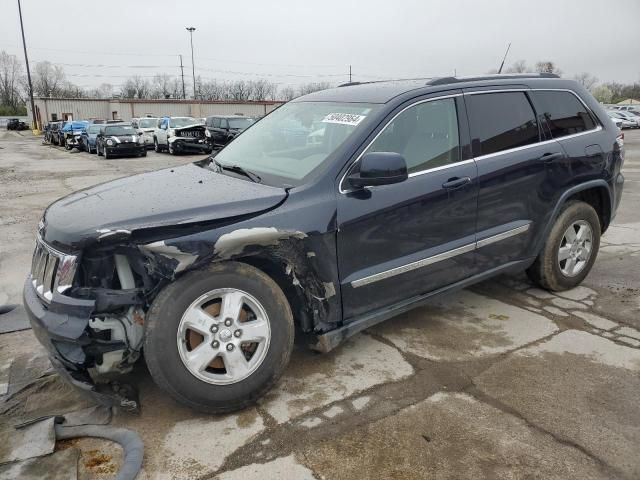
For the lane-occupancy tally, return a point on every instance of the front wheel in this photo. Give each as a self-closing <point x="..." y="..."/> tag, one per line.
<point x="172" y="150"/>
<point x="218" y="339"/>
<point x="571" y="249"/>
<point x="156" y="145"/>
<point x="98" y="150"/>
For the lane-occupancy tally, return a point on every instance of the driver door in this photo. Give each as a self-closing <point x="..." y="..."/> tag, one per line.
<point x="402" y="240"/>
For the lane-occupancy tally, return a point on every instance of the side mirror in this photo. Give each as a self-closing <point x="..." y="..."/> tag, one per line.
<point x="379" y="168"/>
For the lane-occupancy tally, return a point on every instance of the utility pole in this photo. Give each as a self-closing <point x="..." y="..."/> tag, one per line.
<point x="26" y="61"/>
<point x="349" y="73"/>
<point x="184" y="95"/>
<point x="193" y="66"/>
<point x="504" y="58"/>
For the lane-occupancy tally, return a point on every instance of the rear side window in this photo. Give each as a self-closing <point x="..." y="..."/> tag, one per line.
<point x="500" y="121"/>
<point x="216" y="122"/>
<point x="562" y="112"/>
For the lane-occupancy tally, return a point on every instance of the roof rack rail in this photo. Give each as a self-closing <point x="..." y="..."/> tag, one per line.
<point x="445" y="80"/>
<point x="349" y="84"/>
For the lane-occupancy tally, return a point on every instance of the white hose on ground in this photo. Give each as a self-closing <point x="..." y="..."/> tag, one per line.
<point x="132" y="446"/>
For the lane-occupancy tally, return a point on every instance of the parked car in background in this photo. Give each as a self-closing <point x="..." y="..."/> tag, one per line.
<point x="618" y="121"/>
<point x="16" y="124"/>
<point x="145" y="127"/>
<point x="629" y="115"/>
<point x="412" y="192"/>
<point x="72" y="132"/>
<point x="88" y="137"/>
<point x="61" y="132"/>
<point x="221" y="129"/>
<point x="52" y="134"/>
<point x="626" y="123"/>
<point x="180" y="134"/>
<point x="119" y="140"/>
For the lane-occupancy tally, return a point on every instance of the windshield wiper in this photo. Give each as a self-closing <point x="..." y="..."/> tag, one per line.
<point x="254" y="177"/>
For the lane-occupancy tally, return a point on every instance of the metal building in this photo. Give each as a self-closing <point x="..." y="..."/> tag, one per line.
<point x="52" y="109"/>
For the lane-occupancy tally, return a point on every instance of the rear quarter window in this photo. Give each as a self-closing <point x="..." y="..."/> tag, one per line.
<point x="562" y="113"/>
<point x="500" y="121"/>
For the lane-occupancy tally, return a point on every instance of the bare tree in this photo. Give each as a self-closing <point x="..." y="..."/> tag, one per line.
<point x="10" y="81"/>
<point x="519" y="67"/>
<point x="287" y="93"/>
<point x="262" y="89"/>
<point x="307" y="88"/>
<point x="48" y="80"/>
<point x="239" y="90"/>
<point x="162" y="86"/>
<point x="603" y="94"/>
<point x="585" y="79"/>
<point x="136" y="87"/>
<point x="547" y="66"/>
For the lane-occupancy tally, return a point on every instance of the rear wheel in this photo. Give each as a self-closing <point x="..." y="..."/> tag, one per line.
<point x="219" y="338"/>
<point x="156" y="145"/>
<point x="571" y="249"/>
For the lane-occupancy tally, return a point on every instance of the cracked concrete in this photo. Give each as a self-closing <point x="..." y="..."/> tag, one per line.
<point x="499" y="381"/>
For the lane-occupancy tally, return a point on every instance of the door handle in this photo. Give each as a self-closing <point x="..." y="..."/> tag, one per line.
<point x="550" y="157"/>
<point x="456" y="182"/>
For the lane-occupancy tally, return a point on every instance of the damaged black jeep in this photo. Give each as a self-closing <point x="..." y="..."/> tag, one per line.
<point x="336" y="211"/>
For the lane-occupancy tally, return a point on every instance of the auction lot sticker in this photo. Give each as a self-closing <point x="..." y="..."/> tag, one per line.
<point x="344" y="118"/>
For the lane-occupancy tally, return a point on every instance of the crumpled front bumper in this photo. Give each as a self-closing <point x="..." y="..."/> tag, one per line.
<point x="60" y="326"/>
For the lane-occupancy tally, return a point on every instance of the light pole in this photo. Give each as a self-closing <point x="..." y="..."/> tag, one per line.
<point x="26" y="61"/>
<point x="193" y="67"/>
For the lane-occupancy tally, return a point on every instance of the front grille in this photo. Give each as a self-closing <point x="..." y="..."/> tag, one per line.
<point x="51" y="270"/>
<point x="190" y="133"/>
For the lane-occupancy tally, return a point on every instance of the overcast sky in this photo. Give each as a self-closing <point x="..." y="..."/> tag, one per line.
<point x="293" y="41"/>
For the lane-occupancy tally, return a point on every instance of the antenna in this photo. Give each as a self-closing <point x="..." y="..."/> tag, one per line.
<point x="504" y="58"/>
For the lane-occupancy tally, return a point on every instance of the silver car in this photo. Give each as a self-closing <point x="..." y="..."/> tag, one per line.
<point x="145" y="127"/>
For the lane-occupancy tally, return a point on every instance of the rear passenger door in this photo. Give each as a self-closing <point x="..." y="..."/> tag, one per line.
<point x="516" y="175"/>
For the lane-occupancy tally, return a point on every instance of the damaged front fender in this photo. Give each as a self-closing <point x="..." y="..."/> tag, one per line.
<point x="301" y="264"/>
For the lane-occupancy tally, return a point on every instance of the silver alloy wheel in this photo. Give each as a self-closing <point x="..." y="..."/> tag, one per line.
<point x="575" y="248"/>
<point x="223" y="336"/>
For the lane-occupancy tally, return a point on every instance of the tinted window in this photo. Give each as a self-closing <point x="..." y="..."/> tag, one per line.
<point x="120" y="130"/>
<point x="500" y="121"/>
<point x="216" y="122"/>
<point x="426" y="135"/>
<point x="563" y="112"/>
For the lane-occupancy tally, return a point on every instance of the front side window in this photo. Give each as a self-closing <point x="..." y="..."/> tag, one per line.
<point x="94" y="129"/>
<point x="562" y="113"/>
<point x="426" y="135"/>
<point x="240" y="123"/>
<point x="295" y="140"/>
<point x="500" y="121"/>
<point x="216" y="122"/>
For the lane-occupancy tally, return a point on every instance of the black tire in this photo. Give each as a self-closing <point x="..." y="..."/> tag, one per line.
<point x="105" y="152"/>
<point x="144" y="153"/>
<point x="98" y="150"/>
<point x="160" y="343"/>
<point x="172" y="150"/>
<point x="545" y="271"/>
<point x="156" y="145"/>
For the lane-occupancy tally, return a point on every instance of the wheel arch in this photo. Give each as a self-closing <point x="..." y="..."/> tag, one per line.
<point x="596" y="193"/>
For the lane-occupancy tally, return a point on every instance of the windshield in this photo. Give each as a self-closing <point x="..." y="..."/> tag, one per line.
<point x="93" y="129"/>
<point x="120" y="130"/>
<point x="296" y="139"/>
<point x="147" y="122"/>
<point x="240" y="123"/>
<point x="182" y="122"/>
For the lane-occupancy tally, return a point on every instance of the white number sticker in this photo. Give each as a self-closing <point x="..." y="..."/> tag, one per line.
<point x="344" y="118"/>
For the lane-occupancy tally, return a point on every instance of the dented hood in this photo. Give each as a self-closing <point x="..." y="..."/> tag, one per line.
<point x="173" y="196"/>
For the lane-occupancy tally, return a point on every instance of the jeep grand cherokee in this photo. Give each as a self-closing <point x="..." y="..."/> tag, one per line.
<point x="408" y="190"/>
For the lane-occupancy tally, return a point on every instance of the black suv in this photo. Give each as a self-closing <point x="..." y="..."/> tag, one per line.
<point x="119" y="139"/>
<point x="221" y="129"/>
<point x="405" y="191"/>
